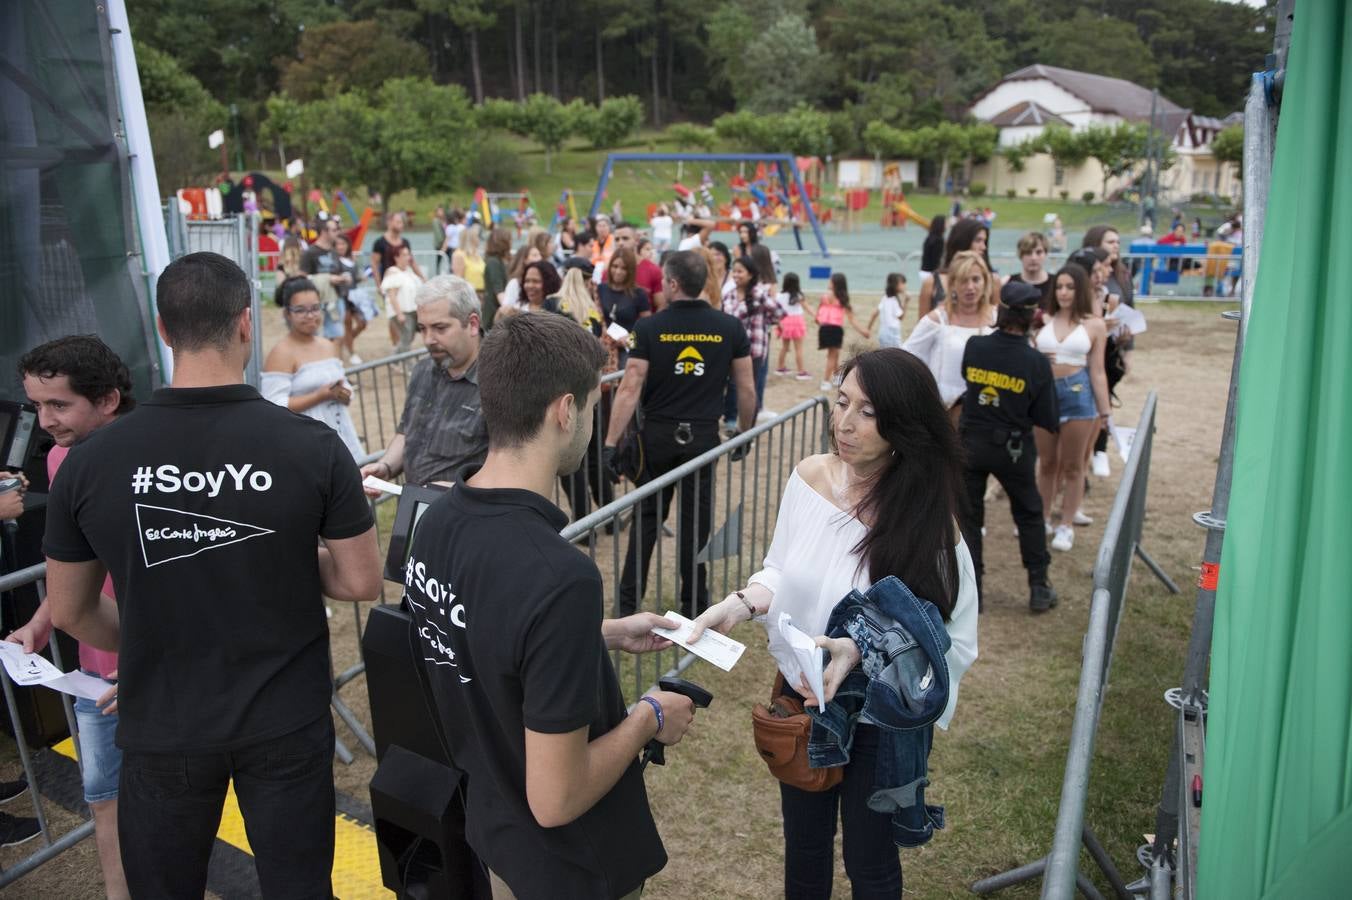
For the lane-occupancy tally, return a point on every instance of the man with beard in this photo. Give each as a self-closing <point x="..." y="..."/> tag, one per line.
<point x="441" y="430"/>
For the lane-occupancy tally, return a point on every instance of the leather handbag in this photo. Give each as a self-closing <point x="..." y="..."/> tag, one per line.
<point x="781" y="731"/>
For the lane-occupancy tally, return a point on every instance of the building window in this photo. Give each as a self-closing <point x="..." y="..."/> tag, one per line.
<point x="1060" y="175"/>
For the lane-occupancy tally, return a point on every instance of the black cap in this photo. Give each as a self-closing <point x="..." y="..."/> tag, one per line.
<point x="579" y="262"/>
<point x="1018" y="295"/>
<point x="1085" y="258"/>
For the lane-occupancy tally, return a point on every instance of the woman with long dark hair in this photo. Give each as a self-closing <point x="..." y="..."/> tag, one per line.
<point x="968" y="234"/>
<point x="1117" y="288"/>
<point x="1073" y="338"/>
<point x="752" y="302"/>
<point x="622" y="301"/>
<point x="883" y="502"/>
<point x="932" y="253"/>
<point x="496" y="257"/>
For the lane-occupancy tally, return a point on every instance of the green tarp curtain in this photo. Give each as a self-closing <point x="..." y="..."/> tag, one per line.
<point x="1277" y="810"/>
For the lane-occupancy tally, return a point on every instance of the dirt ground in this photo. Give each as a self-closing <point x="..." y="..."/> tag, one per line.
<point x="998" y="769"/>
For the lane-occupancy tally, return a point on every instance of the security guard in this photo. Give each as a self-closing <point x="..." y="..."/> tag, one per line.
<point x="680" y="362"/>
<point x="1009" y="390"/>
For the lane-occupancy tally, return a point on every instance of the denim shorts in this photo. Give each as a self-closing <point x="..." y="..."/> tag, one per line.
<point x="1075" y="395"/>
<point x="99" y="755"/>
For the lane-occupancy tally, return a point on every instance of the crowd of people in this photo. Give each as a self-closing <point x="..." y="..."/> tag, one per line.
<point x="1010" y="377"/>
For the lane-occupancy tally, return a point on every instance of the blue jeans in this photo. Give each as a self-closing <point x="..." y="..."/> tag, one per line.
<point x="1075" y="396"/>
<point x="760" y="368"/>
<point x="170" y="808"/>
<point x="872" y="861"/>
<point x="100" y="760"/>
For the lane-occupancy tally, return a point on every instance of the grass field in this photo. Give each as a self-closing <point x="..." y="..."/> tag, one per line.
<point x="998" y="769"/>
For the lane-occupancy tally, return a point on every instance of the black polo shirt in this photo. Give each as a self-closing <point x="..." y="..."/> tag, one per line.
<point x="510" y="619"/>
<point x="206" y="506"/>
<point x="689" y="347"/>
<point x="1009" y="385"/>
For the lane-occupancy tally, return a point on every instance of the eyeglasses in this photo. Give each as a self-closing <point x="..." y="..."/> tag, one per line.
<point x="305" y="310"/>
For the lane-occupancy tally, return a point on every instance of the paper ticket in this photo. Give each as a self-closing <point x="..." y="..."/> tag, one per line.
<point x="718" y="649"/>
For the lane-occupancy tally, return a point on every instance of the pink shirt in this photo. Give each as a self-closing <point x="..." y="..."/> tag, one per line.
<point x="830" y="312"/>
<point x="92" y="659"/>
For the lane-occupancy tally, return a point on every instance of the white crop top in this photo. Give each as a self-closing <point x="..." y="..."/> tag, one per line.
<point x="1073" y="351"/>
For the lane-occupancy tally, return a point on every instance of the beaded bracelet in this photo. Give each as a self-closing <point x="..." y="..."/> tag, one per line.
<point x="657" y="708"/>
<point x="751" y="610"/>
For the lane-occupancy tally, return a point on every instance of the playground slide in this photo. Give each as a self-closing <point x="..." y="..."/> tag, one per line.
<point x="905" y="209"/>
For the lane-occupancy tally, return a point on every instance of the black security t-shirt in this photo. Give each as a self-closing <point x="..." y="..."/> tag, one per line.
<point x="1009" y="385"/>
<point x="689" y="347"/>
<point x="206" y="505"/>
<point x="509" y="615"/>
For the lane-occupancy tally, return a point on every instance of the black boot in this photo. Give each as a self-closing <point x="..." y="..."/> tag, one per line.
<point x="1041" y="597"/>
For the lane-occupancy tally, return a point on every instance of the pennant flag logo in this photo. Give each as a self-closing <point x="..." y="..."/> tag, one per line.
<point x="170" y="534"/>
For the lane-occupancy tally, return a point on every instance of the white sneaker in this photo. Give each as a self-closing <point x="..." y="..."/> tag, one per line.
<point x="354" y="360"/>
<point x="1065" y="538"/>
<point x="1081" y="518"/>
<point x="765" y="415"/>
<point x="1099" y="466"/>
<point x="1046" y="524"/>
<point x="824" y="386"/>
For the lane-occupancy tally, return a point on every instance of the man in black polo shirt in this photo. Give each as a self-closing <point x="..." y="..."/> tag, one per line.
<point x="681" y="361"/>
<point x="509" y="616"/>
<point x="1009" y="390"/>
<point x="206" y="505"/>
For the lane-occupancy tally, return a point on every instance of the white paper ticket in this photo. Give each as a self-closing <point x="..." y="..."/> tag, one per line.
<point x="718" y="649"/>
<point x="380" y="484"/>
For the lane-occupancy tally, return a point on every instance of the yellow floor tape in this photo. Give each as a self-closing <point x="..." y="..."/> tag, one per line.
<point x="356" y="864"/>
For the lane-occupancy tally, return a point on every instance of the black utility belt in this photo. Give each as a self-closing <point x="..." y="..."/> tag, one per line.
<point x="996" y="435"/>
<point x="683" y="431"/>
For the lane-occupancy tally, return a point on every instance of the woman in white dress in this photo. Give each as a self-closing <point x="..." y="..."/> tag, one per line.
<point x="942" y="334"/>
<point x="884" y="502"/>
<point x="303" y="371"/>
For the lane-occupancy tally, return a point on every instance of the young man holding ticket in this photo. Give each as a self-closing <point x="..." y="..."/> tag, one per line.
<point x="509" y="618"/>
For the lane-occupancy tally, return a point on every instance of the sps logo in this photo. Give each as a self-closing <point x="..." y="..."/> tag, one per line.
<point x="689" y="362"/>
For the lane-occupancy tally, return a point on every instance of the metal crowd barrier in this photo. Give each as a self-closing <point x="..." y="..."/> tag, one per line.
<point x="745" y="498"/>
<point x="51" y="846"/>
<point x="1060" y="870"/>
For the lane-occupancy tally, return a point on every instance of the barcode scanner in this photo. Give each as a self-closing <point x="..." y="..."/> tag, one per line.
<point x="655" y="751"/>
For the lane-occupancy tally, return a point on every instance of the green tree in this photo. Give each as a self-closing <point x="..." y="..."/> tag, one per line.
<point x="549" y="123"/>
<point x="745" y="130"/>
<point x="323" y="64"/>
<point x="472" y="17"/>
<point x="781" y="66"/>
<point x="1117" y="148"/>
<point x="1082" y="41"/>
<point x="687" y="136"/>
<point x="409" y="134"/>
<point x="1017" y="155"/>
<point x="881" y="139"/>
<point x="1228" y="145"/>
<point x="610" y="123"/>
<point x="802" y="131"/>
<point x="180" y="114"/>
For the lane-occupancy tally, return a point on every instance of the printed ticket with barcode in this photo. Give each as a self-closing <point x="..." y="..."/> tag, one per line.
<point x="718" y="649"/>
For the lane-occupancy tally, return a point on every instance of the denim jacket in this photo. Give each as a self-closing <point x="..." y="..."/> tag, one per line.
<point x="900" y="687"/>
